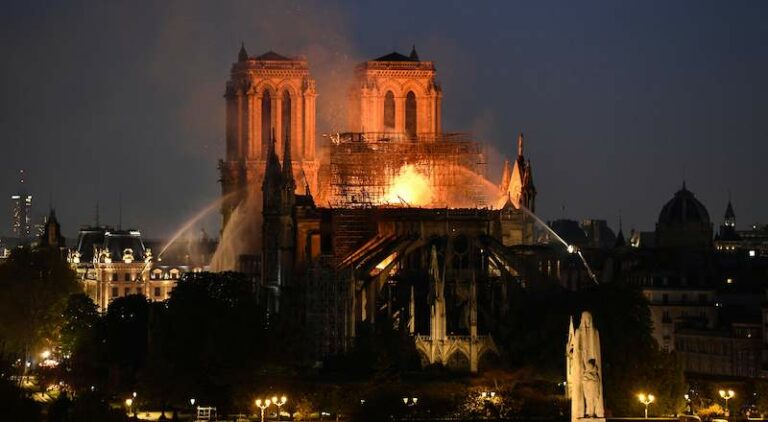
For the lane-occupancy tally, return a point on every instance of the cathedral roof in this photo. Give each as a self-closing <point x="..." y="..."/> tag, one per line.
<point x="271" y="55"/>
<point x="683" y="208"/>
<point x="397" y="57"/>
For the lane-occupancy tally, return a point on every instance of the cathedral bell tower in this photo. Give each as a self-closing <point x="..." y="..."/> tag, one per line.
<point x="266" y="92"/>
<point x="398" y="95"/>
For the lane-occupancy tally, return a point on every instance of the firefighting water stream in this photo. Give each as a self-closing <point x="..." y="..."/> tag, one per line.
<point x="191" y="222"/>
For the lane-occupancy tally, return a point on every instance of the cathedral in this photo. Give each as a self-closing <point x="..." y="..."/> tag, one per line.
<point x="398" y="225"/>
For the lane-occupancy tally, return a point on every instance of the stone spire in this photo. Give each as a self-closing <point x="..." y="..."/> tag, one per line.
<point x="272" y="176"/>
<point x="242" y="55"/>
<point x="730" y="216"/>
<point x="414" y="55"/>
<point x="506" y="173"/>
<point x="289" y="182"/>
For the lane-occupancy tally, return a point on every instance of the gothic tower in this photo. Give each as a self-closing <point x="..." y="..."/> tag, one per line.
<point x="267" y="92"/>
<point x="396" y="94"/>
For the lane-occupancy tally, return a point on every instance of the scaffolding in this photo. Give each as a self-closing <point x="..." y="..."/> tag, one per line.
<point x="363" y="166"/>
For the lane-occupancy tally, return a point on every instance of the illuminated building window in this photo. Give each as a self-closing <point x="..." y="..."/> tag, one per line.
<point x="389" y="110"/>
<point x="114" y="292"/>
<point x="410" y="114"/>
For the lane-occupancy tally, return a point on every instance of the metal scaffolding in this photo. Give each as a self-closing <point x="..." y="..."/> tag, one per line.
<point x="363" y="166"/>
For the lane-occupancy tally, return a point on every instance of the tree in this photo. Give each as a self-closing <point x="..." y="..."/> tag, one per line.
<point x="36" y="283"/>
<point x="80" y="317"/>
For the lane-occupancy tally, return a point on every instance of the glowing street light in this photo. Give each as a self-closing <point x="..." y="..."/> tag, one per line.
<point x="279" y="404"/>
<point x="263" y="406"/>
<point x="646" y="400"/>
<point x="192" y="401"/>
<point x="413" y="401"/>
<point x="727" y="395"/>
<point x="129" y="405"/>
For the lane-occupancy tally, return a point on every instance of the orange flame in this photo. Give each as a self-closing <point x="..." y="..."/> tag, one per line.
<point x="410" y="186"/>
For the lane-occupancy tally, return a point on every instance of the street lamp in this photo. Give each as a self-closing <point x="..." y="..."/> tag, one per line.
<point x="413" y="402"/>
<point x="646" y="400"/>
<point x="279" y="404"/>
<point x="727" y="395"/>
<point x="263" y="406"/>
<point x="129" y="404"/>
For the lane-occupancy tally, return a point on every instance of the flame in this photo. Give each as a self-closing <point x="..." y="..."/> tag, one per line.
<point x="410" y="186"/>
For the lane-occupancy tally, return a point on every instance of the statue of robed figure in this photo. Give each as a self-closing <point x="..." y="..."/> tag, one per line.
<point x="584" y="381"/>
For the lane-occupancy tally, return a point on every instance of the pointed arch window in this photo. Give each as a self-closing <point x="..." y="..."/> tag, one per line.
<point x="286" y="117"/>
<point x="389" y="110"/>
<point x="410" y="115"/>
<point x="266" y="121"/>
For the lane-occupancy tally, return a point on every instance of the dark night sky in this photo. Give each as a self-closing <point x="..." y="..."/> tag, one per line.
<point x="619" y="100"/>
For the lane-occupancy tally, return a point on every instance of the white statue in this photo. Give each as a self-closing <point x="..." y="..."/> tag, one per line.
<point x="584" y="376"/>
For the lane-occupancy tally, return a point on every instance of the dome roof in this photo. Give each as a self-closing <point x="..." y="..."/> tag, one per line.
<point x="682" y="209"/>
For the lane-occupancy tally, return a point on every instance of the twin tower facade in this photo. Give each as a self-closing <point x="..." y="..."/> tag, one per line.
<point x="394" y="94"/>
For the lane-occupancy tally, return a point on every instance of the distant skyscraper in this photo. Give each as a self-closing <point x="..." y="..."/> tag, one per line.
<point x="21" y="224"/>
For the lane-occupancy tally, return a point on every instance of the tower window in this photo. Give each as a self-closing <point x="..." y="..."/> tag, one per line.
<point x="266" y="121"/>
<point x="389" y="110"/>
<point x="286" y="120"/>
<point x="410" y="115"/>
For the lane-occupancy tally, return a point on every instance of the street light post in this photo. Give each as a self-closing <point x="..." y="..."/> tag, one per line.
<point x="279" y="404"/>
<point x="727" y="395"/>
<point x="646" y="400"/>
<point x="129" y="405"/>
<point x="263" y="406"/>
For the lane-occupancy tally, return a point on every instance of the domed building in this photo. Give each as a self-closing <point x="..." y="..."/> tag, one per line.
<point x="684" y="223"/>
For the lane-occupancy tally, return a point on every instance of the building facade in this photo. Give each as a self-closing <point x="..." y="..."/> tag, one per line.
<point x="115" y="263"/>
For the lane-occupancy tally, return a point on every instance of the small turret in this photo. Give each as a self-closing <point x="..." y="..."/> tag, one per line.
<point x="414" y="55"/>
<point x="242" y="55"/>
<point x="730" y="216"/>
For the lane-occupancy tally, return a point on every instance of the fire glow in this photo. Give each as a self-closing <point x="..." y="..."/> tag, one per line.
<point x="410" y="186"/>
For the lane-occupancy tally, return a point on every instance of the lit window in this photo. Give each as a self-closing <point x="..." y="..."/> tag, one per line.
<point x="752" y="253"/>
